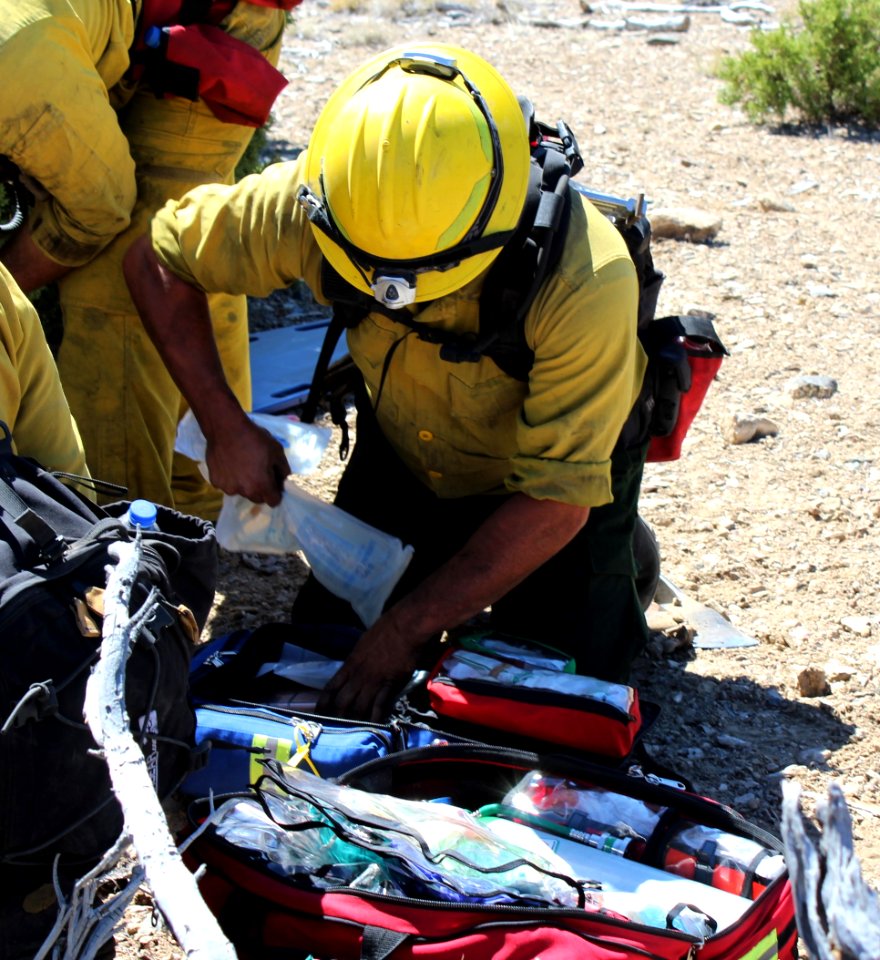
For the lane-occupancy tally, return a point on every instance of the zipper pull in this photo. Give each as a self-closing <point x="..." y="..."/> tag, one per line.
<point x="636" y="771"/>
<point x="665" y="782"/>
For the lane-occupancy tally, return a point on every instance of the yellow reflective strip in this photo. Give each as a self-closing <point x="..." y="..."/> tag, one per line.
<point x="766" y="949"/>
<point x="274" y="747"/>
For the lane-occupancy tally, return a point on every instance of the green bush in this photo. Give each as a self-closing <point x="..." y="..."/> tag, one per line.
<point x="252" y="159"/>
<point x="826" y="69"/>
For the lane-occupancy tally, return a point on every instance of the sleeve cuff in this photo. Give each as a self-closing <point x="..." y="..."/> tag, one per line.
<point x="580" y="484"/>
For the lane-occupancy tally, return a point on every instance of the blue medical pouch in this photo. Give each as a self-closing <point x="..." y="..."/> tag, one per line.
<point x="246" y="712"/>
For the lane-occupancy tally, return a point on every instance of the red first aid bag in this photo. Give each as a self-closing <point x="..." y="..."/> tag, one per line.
<point x="273" y="903"/>
<point x="684" y="356"/>
<point x="495" y="682"/>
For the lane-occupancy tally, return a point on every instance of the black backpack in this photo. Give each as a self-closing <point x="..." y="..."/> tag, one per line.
<point x="55" y="795"/>
<point x="511" y="286"/>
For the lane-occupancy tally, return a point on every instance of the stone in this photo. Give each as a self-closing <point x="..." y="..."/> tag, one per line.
<point x="774" y="205"/>
<point x="812" y="682"/>
<point x="860" y="626"/>
<point x="811" y="386"/>
<point x="742" y="428"/>
<point x="685" y="223"/>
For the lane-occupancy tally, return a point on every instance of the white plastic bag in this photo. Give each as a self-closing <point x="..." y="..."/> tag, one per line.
<point x="350" y="558"/>
<point x="304" y="443"/>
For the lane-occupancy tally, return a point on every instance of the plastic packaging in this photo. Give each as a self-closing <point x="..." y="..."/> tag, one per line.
<point x="349" y="557"/>
<point x="590" y="832"/>
<point x="723" y="860"/>
<point x="590" y="810"/>
<point x="470" y="665"/>
<point x="387" y="845"/>
<point x="304" y="443"/>
<point x="518" y="651"/>
<point x="303" y="666"/>
<point x="142" y="513"/>
<point x="633" y="889"/>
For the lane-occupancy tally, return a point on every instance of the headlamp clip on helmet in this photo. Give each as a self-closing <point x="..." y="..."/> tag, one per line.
<point x="394" y="281"/>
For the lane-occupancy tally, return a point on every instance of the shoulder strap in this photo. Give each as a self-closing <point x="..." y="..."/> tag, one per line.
<point x="524" y="264"/>
<point x="48" y="542"/>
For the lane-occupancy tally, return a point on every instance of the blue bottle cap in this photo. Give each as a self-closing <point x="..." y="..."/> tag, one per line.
<point x="152" y="37"/>
<point x="142" y="513"/>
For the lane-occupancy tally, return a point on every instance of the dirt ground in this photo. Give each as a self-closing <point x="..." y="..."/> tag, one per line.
<point x="778" y="534"/>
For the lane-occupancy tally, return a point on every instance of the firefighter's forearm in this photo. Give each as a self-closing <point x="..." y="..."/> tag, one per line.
<point x="515" y="540"/>
<point x="175" y="315"/>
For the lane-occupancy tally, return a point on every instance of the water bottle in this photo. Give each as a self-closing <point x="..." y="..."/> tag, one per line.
<point x="142" y="513"/>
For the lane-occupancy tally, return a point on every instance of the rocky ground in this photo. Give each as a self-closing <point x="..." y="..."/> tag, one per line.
<point x="778" y="533"/>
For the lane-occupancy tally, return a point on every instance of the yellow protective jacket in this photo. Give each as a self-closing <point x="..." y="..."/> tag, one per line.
<point x="58" y="60"/>
<point x="60" y="126"/>
<point x="118" y="387"/>
<point x="32" y="403"/>
<point x="467" y="428"/>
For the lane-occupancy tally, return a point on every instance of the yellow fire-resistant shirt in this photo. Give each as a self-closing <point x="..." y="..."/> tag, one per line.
<point x="32" y="403"/>
<point x="58" y="60"/>
<point x="465" y="428"/>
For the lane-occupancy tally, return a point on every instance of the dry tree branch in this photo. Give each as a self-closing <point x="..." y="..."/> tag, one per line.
<point x="174" y="887"/>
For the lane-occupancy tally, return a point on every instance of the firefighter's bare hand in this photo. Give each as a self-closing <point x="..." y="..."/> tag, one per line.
<point x="249" y="462"/>
<point x="375" y="671"/>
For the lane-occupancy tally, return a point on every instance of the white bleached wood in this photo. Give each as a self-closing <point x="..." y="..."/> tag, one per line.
<point x="173" y="886"/>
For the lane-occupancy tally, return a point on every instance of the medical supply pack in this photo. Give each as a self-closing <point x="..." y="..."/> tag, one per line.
<point x="486" y="852"/>
<point x="255" y="695"/>
<point x="501" y="683"/>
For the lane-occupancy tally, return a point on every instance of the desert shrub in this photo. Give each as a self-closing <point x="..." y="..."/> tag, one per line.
<point x="826" y="68"/>
<point x="252" y="159"/>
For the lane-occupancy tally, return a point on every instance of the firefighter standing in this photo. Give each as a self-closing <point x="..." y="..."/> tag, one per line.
<point x="84" y="119"/>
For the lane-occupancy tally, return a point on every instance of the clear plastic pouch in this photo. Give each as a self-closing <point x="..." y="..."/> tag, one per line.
<point x="349" y="557"/>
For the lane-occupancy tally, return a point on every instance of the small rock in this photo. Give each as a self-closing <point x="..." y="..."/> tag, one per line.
<point x="792" y="770"/>
<point x="812" y="682"/>
<point x="775" y="205"/>
<point x="818" y="387"/>
<point x="745" y="801"/>
<point x="860" y="626"/>
<point x="681" y="639"/>
<point x="661" y="621"/>
<point x="802" y="186"/>
<point x="838" y="672"/>
<point x="685" y="223"/>
<point x="820" y="290"/>
<point x="663" y="40"/>
<point x="813" y="756"/>
<point x="728" y="740"/>
<point x="741" y="428"/>
<point x="695" y="753"/>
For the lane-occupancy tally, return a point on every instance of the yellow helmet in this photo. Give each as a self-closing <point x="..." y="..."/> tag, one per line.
<point x="417" y="169"/>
